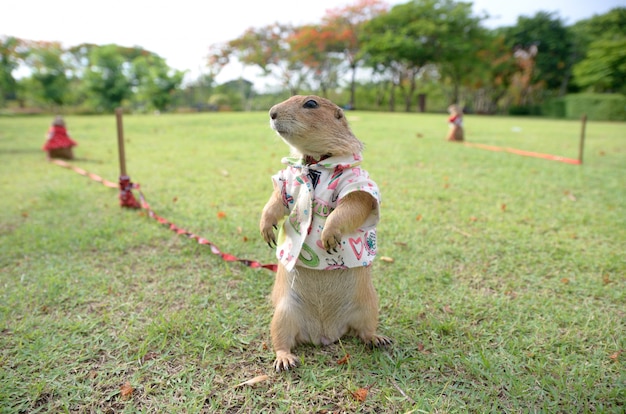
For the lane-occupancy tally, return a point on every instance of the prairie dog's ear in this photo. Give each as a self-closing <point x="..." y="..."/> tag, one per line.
<point x="338" y="113"/>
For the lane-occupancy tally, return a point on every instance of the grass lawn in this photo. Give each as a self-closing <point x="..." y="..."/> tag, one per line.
<point x="507" y="290"/>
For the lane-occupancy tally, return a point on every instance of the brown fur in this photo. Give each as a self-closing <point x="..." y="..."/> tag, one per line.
<point x="310" y="305"/>
<point x="62" y="153"/>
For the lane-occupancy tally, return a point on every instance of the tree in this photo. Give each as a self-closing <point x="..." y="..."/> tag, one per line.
<point x="312" y="46"/>
<point x="604" y="68"/>
<point x="554" y="44"/>
<point x="343" y="27"/>
<point x="154" y="81"/>
<point x="411" y="36"/>
<point x="461" y="38"/>
<point x="269" y="49"/>
<point x="603" y="42"/>
<point x="219" y="56"/>
<point x="491" y="74"/>
<point x="48" y="72"/>
<point x="10" y="57"/>
<point x="108" y="77"/>
<point x="398" y="43"/>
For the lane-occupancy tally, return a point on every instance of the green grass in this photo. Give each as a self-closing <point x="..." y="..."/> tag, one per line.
<point x="506" y="294"/>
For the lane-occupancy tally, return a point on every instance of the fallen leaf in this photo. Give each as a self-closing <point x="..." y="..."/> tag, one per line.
<point x="150" y="356"/>
<point x="344" y="360"/>
<point x="175" y="199"/>
<point x="239" y="229"/>
<point x="24" y="214"/>
<point x="360" y="394"/>
<point x="221" y="215"/>
<point x="615" y="356"/>
<point x="402" y="244"/>
<point x="419" y="135"/>
<point x="511" y="293"/>
<point x="606" y="280"/>
<point x="419" y="217"/>
<point x="126" y="390"/>
<point x="387" y="259"/>
<point x="473" y="218"/>
<point x="253" y="381"/>
<point x="565" y="280"/>
<point x="503" y="207"/>
<point x="244" y="238"/>
<point x="421" y="348"/>
<point x="447" y="309"/>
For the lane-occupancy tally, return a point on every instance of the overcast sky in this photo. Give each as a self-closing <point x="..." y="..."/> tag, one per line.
<point x="181" y="31"/>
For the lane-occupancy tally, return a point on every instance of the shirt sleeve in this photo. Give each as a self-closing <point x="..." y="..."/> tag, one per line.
<point x="280" y="184"/>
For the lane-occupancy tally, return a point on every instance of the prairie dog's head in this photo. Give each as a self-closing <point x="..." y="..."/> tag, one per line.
<point x="454" y="109"/>
<point x="314" y="126"/>
<point x="58" y="121"/>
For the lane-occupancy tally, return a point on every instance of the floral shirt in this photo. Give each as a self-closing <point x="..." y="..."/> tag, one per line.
<point x="310" y="192"/>
<point x="58" y="138"/>
<point x="455" y="120"/>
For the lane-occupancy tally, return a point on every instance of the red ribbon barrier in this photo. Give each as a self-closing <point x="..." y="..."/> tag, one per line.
<point x="524" y="153"/>
<point x="214" y="249"/>
<point x="94" y="177"/>
<point x="125" y="189"/>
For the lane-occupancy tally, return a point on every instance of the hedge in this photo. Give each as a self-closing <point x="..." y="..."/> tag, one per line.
<point x="598" y="107"/>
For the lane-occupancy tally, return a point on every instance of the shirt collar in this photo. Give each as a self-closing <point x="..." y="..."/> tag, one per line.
<point x="341" y="161"/>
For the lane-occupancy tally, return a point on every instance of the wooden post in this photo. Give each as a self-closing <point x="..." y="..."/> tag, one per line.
<point x="127" y="199"/>
<point x="120" y="141"/>
<point x="581" y="146"/>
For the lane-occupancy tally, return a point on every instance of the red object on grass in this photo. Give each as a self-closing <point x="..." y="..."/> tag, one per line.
<point x="58" y="138"/>
<point x="127" y="199"/>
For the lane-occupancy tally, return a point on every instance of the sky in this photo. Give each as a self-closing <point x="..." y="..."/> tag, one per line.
<point x="181" y="31"/>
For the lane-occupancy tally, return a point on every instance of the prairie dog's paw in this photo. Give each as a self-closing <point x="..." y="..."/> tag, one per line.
<point x="379" y="341"/>
<point x="331" y="238"/>
<point x="285" y="361"/>
<point x="267" y="228"/>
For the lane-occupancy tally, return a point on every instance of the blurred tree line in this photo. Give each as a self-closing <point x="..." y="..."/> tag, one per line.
<point x="364" y="55"/>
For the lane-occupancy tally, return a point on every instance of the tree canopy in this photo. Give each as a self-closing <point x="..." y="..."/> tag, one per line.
<point x="603" y="69"/>
<point x="405" y="50"/>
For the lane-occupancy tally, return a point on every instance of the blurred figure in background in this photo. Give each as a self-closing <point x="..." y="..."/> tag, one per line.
<point x="455" y="132"/>
<point x="58" y="143"/>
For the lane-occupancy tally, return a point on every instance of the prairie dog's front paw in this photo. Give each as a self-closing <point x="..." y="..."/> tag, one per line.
<point x="267" y="231"/>
<point x="285" y="361"/>
<point x="331" y="238"/>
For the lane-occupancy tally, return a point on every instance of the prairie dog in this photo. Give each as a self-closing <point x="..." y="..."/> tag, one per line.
<point x="455" y="132"/>
<point x="327" y="208"/>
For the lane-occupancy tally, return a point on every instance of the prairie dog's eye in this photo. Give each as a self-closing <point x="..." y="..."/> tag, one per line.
<point x="310" y="104"/>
